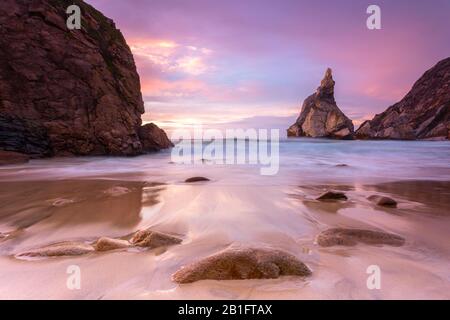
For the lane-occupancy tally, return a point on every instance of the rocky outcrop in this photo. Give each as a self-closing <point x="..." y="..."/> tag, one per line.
<point x="424" y="113"/>
<point x="153" y="138"/>
<point x="320" y="116"/>
<point x="66" y="92"/>
<point x="351" y="237"/>
<point x="242" y="263"/>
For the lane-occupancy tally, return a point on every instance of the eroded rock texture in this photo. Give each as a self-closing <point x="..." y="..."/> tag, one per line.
<point x="68" y="92"/>
<point x="243" y="263"/>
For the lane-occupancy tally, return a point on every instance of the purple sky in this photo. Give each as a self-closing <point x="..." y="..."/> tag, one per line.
<point x="253" y="62"/>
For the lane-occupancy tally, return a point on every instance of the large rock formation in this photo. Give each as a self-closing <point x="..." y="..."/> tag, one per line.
<point x="320" y="116"/>
<point x="424" y="113"/>
<point x="68" y="92"/>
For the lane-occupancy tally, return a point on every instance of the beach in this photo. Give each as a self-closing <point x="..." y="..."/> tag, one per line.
<point x="47" y="201"/>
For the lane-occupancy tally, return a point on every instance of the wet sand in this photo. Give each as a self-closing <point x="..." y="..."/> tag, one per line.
<point x="210" y="217"/>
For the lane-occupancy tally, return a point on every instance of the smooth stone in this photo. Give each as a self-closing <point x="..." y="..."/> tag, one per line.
<point x="60" y="249"/>
<point x="196" y="179"/>
<point x="351" y="237"/>
<point x="383" y="201"/>
<point x="332" y="195"/>
<point x="107" y="244"/>
<point x="153" y="239"/>
<point x="240" y="264"/>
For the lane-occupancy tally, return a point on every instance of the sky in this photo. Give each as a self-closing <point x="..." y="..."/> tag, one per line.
<point x="251" y="63"/>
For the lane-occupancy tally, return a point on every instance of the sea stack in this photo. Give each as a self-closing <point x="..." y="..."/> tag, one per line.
<point x="320" y="116"/>
<point x="424" y="113"/>
<point x="68" y="92"/>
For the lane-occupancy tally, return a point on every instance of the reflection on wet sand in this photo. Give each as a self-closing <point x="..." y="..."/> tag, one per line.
<point x="73" y="202"/>
<point x="435" y="194"/>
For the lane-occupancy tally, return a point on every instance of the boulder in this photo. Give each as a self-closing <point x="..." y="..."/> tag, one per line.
<point x="320" y="116"/>
<point x="332" y="195"/>
<point x="351" y="237"/>
<point x="153" y="239"/>
<point x="59" y="249"/>
<point x="242" y="263"/>
<point x="153" y="138"/>
<point x="196" y="179"/>
<point x="68" y="92"/>
<point x="10" y="157"/>
<point x="107" y="244"/>
<point x="383" y="201"/>
<point x="424" y="113"/>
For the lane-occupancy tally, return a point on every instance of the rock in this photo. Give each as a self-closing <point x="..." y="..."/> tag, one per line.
<point x="59" y="249"/>
<point x="332" y="195"/>
<point x="9" y="157"/>
<point x="424" y="113"/>
<point x="383" y="201"/>
<point x="68" y="92"/>
<point x="239" y="264"/>
<point x="154" y="138"/>
<point x="320" y="116"/>
<point x="196" y="179"/>
<point x="153" y="239"/>
<point x="351" y="237"/>
<point x="107" y="244"/>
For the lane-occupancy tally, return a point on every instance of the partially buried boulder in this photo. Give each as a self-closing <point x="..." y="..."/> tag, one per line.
<point x="58" y="250"/>
<point x="351" y="237"/>
<point x="107" y="244"/>
<point x="196" y="179"/>
<point x="153" y="239"/>
<point x="320" y="116"/>
<point x="243" y="263"/>
<point x="332" y="195"/>
<point x="383" y="201"/>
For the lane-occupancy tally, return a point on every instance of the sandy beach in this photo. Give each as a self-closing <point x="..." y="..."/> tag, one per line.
<point x="81" y="199"/>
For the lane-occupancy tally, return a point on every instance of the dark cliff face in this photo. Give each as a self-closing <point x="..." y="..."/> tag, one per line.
<point x="320" y="116"/>
<point x="66" y="92"/>
<point x="424" y="113"/>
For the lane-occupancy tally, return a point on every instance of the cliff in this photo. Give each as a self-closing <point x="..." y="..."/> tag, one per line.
<point x="424" y="113"/>
<point x="66" y="92"/>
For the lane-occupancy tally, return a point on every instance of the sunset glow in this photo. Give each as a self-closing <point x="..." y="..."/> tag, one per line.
<point x="256" y="58"/>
